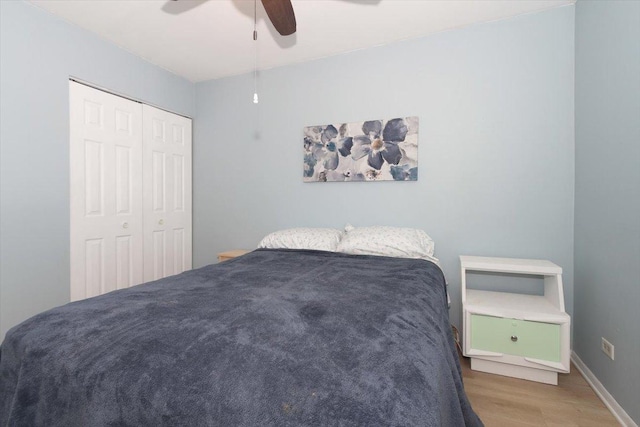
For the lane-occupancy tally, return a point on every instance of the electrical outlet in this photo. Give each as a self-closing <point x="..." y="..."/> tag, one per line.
<point x="607" y="348"/>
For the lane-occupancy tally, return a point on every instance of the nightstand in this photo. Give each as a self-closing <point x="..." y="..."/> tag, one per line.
<point x="513" y="334"/>
<point x="225" y="256"/>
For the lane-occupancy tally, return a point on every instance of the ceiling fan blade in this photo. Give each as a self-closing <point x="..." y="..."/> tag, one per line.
<point x="281" y="14"/>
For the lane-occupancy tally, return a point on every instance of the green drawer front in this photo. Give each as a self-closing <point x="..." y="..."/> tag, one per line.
<point x="535" y="339"/>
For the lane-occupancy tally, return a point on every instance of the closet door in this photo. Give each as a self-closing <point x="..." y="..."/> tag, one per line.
<point x="167" y="193"/>
<point x="106" y="192"/>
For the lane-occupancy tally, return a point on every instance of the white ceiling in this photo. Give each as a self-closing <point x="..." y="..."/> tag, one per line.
<point x="209" y="39"/>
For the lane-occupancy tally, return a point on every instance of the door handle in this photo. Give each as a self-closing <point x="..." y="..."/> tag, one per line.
<point x="161" y="222"/>
<point x="125" y="225"/>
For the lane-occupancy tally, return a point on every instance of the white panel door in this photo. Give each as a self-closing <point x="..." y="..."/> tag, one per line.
<point x="106" y="192"/>
<point x="167" y="193"/>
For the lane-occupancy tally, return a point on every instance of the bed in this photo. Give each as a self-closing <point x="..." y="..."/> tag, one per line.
<point x="277" y="337"/>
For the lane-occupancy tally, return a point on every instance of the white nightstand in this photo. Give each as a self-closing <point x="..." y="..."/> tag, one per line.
<point x="512" y="334"/>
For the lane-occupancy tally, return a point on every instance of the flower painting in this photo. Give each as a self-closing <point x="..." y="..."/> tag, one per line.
<point x="375" y="150"/>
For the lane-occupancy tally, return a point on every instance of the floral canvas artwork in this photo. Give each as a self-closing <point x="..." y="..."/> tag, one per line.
<point x="374" y="150"/>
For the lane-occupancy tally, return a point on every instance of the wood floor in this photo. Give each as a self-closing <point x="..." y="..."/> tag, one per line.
<point x="502" y="401"/>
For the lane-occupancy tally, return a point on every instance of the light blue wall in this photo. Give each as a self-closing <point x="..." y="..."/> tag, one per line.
<point x="607" y="201"/>
<point x="38" y="54"/>
<point x="496" y="154"/>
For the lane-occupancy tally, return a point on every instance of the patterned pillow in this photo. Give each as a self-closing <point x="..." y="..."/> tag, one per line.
<point x="387" y="241"/>
<point x="320" y="239"/>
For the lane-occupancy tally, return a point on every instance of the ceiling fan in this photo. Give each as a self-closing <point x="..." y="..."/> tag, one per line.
<point x="281" y="14"/>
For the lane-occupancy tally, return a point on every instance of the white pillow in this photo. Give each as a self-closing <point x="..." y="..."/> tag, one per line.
<point x="320" y="239"/>
<point x="387" y="241"/>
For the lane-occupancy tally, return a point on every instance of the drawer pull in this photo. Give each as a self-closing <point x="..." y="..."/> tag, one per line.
<point x="514" y="338"/>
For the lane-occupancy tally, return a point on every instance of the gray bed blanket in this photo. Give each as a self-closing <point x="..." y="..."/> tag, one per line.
<point x="272" y="338"/>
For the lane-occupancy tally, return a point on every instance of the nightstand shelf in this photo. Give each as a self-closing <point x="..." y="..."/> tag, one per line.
<point x="513" y="334"/>
<point x="516" y="306"/>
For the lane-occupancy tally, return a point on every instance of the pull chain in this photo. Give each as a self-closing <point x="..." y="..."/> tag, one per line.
<point x="255" y="65"/>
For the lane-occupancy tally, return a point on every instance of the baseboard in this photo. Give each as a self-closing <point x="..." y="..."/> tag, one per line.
<point x="618" y="412"/>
